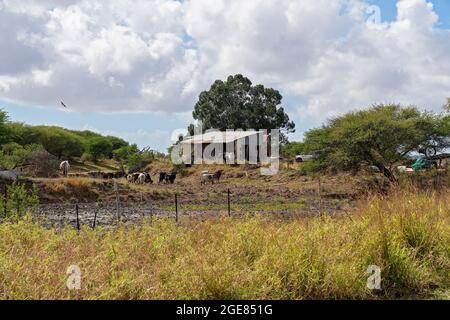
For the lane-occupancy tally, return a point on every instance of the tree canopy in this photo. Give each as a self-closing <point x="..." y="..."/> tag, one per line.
<point x="380" y="136"/>
<point x="292" y="149"/>
<point x="19" y="139"/>
<point x="3" y="128"/>
<point x="237" y="104"/>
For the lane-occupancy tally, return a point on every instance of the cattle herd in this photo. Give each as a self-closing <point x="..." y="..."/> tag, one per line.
<point x="145" y="178"/>
<point x="141" y="178"/>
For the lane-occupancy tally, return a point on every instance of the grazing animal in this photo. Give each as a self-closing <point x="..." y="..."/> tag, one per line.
<point x="162" y="177"/>
<point x="130" y="178"/>
<point x="148" y="178"/>
<point x="207" y="177"/>
<point x="144" y="178"/>
<point x="135" y="177"/>
<point x="170" y="178"/>
<point x="64" y="167"/>
<point x="217" y="175"/>
<point x="167" y="178"/>
<point x="141" y="179"/>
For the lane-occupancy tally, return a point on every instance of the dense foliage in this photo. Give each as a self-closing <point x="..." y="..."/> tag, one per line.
<point x="292" y="149"/>
<point x="237" y="104"/>
<point x="18" y="141"/>
<point x="380" y="136"/>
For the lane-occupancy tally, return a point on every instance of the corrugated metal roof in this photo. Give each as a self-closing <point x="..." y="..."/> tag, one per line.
<point x="219" y="137"/>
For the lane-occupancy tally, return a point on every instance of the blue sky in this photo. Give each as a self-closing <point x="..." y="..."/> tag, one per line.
<point x="389" y="10"/>
<point x="154" y="128"/>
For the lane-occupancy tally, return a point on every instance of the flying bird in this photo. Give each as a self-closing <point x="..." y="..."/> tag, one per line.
<point x="62" y="103"/>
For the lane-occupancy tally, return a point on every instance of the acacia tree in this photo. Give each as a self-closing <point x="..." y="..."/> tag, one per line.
<point x="237" y="104"/>
<point x="380" y="136"/>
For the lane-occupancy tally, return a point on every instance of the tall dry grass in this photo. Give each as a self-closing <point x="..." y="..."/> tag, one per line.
<point x="406" y="235"/>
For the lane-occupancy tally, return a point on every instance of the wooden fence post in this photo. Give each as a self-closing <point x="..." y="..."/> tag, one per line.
<point x="116" y="188"/>
<point x="6" y="200"/>
<point x="78" y="218"/>
<point x="95" y="217"/>
<point x="151" y="214"/>
<point x="176" y="207"/>
<point x="229" y="204"/>
<point x="319" y="191"/>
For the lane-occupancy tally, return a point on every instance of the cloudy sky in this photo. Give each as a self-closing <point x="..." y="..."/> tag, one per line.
<point x="135" y="68"/>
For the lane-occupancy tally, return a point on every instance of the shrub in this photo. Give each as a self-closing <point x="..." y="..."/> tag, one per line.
<point x="18" y="201"/>
<point x="86" y="157"/>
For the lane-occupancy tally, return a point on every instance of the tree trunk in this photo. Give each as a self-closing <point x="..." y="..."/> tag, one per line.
<point x="378" y="160"/>
<point x="387" y="173"/>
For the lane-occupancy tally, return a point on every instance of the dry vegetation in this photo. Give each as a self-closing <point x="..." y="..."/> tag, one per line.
<point x="406" y="234"/>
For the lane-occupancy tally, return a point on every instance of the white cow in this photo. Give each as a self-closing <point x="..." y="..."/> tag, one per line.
<point x="65" y="167"/>
<point x="141" y="178"/>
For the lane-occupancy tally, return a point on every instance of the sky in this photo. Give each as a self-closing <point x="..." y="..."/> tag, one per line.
<point x="134" y="69"/>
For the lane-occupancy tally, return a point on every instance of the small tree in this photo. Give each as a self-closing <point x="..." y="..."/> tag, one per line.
<point x="380" y="136"/>
<point x="13" y="155"/>
<point x="18" y="202"/>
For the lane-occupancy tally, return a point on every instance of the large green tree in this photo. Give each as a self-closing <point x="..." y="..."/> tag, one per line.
<point x="59" y="142"/>
<point x="3" y="127"/>
<point x="380" y="136"/>
<point x="237" y="104"/>
<point x="100" y="147"/>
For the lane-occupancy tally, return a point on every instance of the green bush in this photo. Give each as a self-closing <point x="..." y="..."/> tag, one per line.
<point x="18" y="201"/>
<point x="86" y="157"/>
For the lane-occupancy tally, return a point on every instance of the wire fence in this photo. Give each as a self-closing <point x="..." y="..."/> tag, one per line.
<point x="116" y="211"/>
<point x="113" y="212"/>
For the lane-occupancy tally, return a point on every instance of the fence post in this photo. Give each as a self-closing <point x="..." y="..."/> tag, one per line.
<point x="151" y="214"/>
<point x="229" y="204"/>
<point x="18" y="207"/>
<point x="176" y="207"/>
<point x="95" y="217"/>
<point x="6" y="200"/>
<point x="78" y="218"/>
<point x="116" y="188"/>
<point x="319" y="191"/>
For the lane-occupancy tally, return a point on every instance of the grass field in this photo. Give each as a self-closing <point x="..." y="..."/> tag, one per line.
<point x="406" y="235"/>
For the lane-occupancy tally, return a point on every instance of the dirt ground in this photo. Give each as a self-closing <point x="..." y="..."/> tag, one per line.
<point x="286" y="195"/>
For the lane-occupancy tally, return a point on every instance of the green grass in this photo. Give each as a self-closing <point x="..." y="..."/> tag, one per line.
<point x="406" y="235"/>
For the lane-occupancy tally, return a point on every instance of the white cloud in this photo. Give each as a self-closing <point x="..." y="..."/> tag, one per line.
<point x="157" y="55"/>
